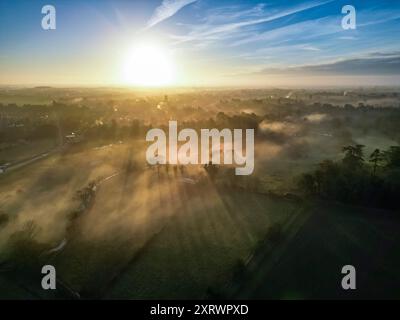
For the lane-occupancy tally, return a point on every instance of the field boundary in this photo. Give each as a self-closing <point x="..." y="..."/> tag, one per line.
<point x="263" y="259"/>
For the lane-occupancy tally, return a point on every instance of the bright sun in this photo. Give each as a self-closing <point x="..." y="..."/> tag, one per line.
<point x="148" y="65"/>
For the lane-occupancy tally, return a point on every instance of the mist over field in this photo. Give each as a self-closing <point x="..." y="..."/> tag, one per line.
<point x="78" y="193"/>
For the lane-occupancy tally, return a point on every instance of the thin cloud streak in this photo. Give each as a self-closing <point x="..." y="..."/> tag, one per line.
<point x="166" y="10"/>
<point x="362" y="66"/>
<point x="220" y="31"/>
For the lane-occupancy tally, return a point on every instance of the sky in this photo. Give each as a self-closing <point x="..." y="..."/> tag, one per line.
<point x="206" y="42"/>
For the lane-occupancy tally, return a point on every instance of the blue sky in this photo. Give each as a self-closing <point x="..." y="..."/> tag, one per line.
<point x="212" y="42"/>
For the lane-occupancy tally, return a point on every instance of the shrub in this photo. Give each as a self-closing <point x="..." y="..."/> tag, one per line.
<point x="25" y="250"/>
<point x="274" y="233"/>
<point x="4" y="218"/>
<point x="239" y="270"/>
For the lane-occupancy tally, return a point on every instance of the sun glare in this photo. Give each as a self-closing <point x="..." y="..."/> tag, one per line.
<point x="148" y="65"/>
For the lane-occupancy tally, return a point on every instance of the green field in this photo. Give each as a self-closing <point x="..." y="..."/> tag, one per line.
<point x="21" y="151"/>
<point x="152" y="234"/>
<point x="309" y="265"/>
<point x="143" y="232"/>
<point x="200" y="246"/>
<point x="144" y="228"/>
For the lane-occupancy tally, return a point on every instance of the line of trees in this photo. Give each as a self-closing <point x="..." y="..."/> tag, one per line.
<point x="373" y="181"/>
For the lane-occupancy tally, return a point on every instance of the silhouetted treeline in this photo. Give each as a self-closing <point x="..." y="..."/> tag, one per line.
<point x="372" y="181"/>
<point x="31" y="122"/>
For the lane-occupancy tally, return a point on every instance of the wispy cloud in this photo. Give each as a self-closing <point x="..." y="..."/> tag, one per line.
<point x="391" y="54"/>
<point x="212" y="31"/>
<point x="167" y="9"/>
<point x="303" y="30"/>
<point x="380" y="65"/>
<point x="347" y="38"/>
<point x="233" y="12"/>
<point x="309" y="47"/>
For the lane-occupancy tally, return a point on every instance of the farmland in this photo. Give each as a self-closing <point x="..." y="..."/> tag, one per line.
<point x="144" y="227"/>
<point x="80" y="195"/>
<point x="309" y="266"/>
